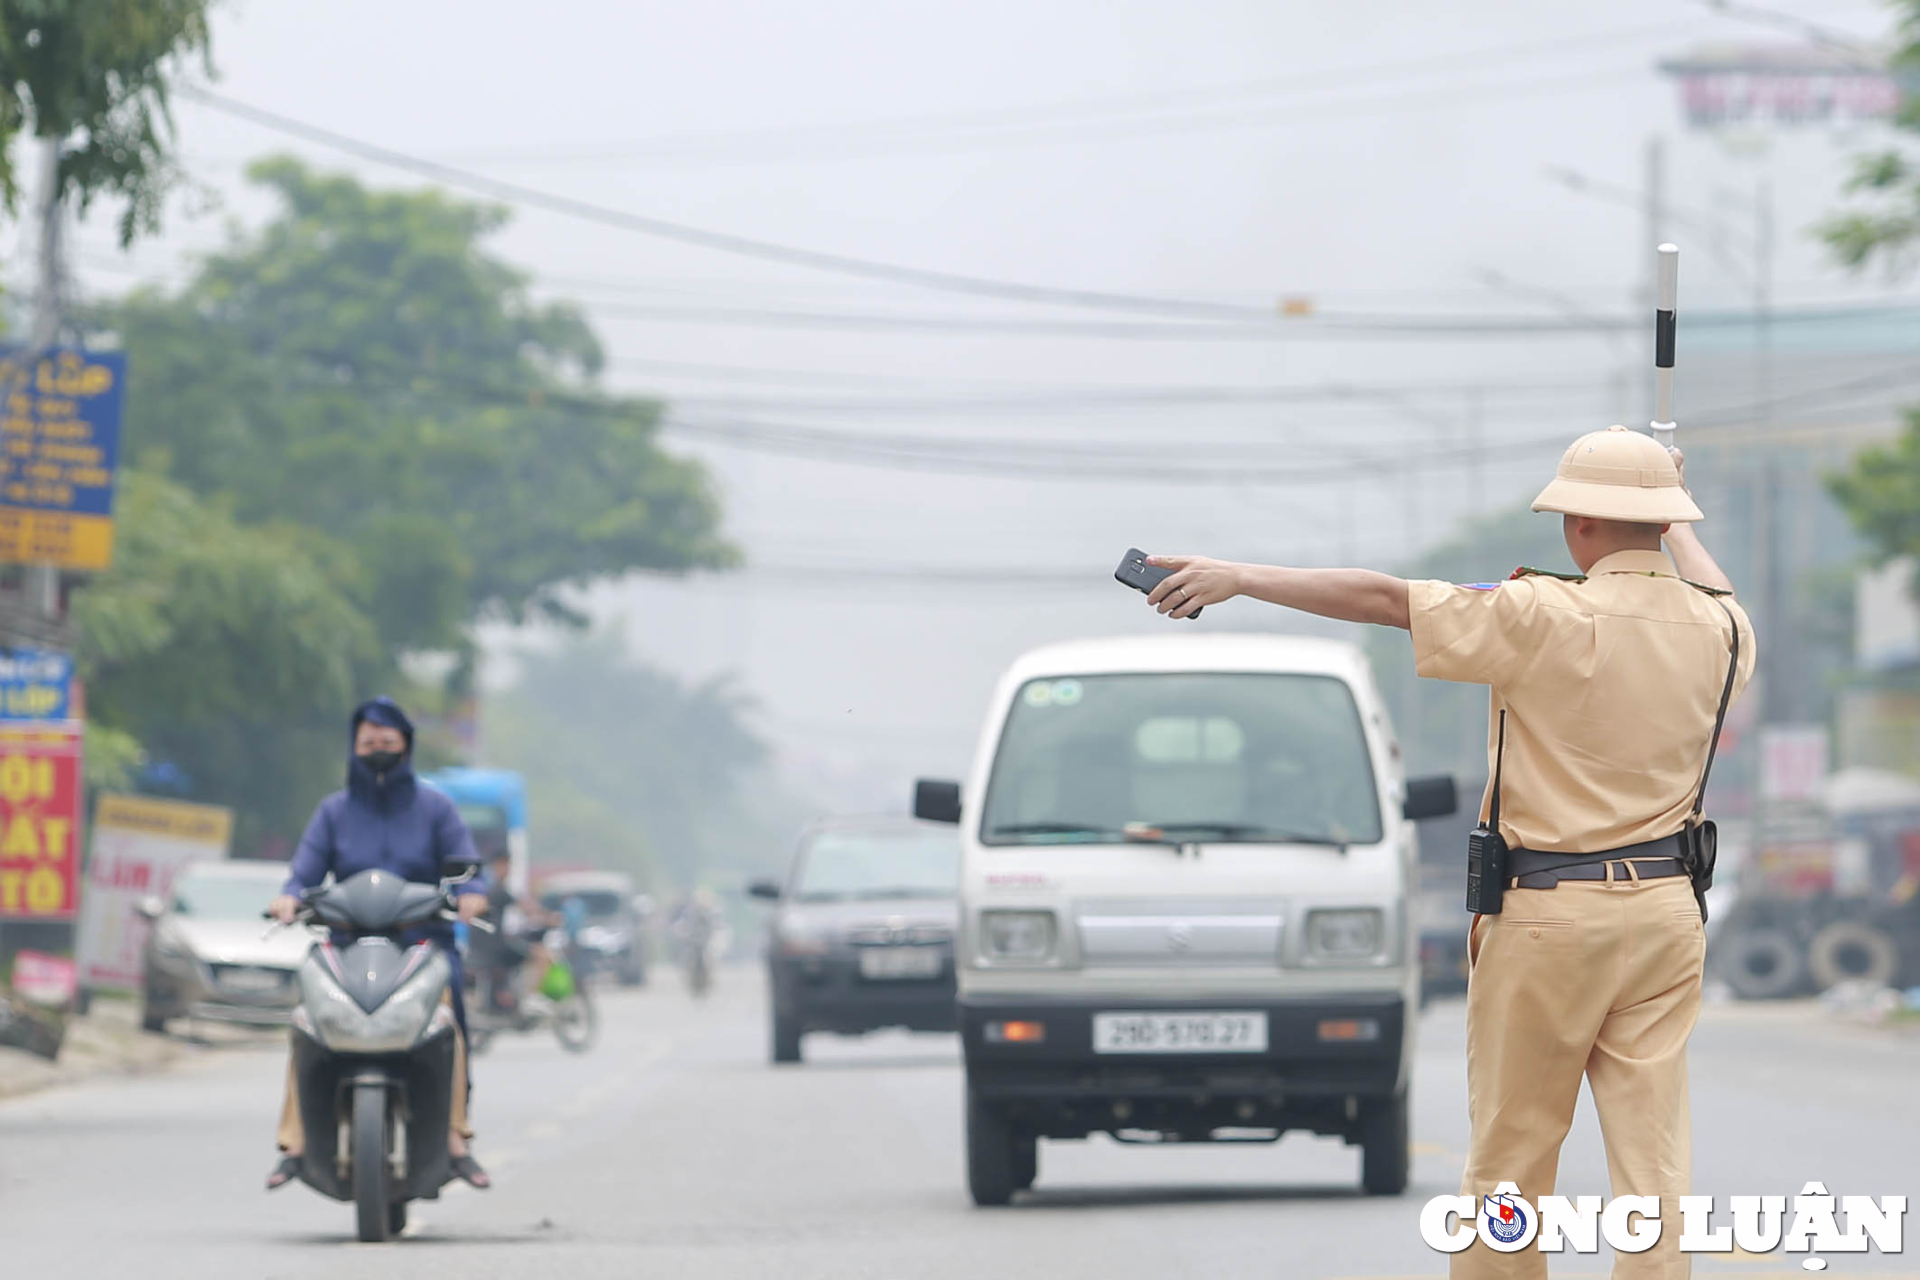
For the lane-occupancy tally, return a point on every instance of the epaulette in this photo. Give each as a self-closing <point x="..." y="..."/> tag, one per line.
<point x="1524" y="572"/>
<point x="1701" y="586"/>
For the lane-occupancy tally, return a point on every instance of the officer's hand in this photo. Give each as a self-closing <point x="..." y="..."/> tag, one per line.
<point x="1196" y="583"/>
<point x="1680" y="464"/>
<point x="284" y="908"/>
<point x="472" y="907"/>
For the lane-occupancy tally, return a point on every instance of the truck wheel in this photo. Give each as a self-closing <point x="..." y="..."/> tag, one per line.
<point x="1852" y="951"/>
<point x="991" y="1163"/>
<point x="1385" y="1140"/>
<point x="1762" y="964"/>
<point x="372" y="1201"/>
<point x="786" y="1039"/>
<point x="1026" y="1161"/>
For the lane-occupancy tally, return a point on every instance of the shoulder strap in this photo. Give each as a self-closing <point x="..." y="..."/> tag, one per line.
<point x="1499" y="755"/>
<point x="1720" y="717"/>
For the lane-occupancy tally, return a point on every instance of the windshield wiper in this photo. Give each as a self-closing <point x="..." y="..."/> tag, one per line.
<point x="1247" y="833"/>
<point x="1050" y="829"/>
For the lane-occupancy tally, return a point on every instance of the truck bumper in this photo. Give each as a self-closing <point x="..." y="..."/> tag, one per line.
<point x="1325" y="1061"/>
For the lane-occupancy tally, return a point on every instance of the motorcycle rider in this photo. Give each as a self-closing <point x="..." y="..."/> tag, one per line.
<point x="500" y="954"/>
<point x="384" y="820"/>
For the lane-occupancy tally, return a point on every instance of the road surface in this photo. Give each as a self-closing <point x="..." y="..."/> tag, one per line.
<point x="674" y="1149"/>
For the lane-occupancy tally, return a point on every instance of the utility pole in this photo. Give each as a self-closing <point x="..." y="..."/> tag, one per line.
<point x="1765" y="546"/>
<point x="41" y="586"/>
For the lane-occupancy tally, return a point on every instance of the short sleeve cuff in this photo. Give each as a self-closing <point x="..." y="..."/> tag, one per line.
<point x="1423" y="600"/>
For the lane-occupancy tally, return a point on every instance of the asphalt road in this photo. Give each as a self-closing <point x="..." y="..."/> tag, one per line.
<point x="674" y="1149"/>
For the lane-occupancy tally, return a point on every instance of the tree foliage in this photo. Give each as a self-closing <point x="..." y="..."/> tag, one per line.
<point x="1881" y="488"/>
<point x="94" y="74"/>
<point x="628" y="769"/>
<point x="230" y="653"/>
<point x="361" y="368"/>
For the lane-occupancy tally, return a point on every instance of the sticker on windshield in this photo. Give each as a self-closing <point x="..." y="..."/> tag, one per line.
<point x="1052" y="693"/>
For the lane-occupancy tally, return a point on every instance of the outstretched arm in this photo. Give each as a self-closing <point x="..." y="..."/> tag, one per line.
<point x="1351" y="595"/>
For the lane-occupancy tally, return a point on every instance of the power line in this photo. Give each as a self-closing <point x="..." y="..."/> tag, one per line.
<point x="1323" y="326"/>
<point x="911" y="128"/>
<point x="725" y="242"/>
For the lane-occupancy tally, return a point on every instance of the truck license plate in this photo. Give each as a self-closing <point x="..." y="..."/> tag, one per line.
<point x="900" y="962"/>
<point x="1179" y="1033"/>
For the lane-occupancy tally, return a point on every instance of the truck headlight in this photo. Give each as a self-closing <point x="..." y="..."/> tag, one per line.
<point x="795" y="935"/>
<point x="1346" y="935"/>
<point x="1021" y="937"/>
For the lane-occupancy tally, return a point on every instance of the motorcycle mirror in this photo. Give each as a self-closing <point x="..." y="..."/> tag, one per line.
<point x="459" y="870"/>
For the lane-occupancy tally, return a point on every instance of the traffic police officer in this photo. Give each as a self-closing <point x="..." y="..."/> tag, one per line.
<point x="1611" y="684"/>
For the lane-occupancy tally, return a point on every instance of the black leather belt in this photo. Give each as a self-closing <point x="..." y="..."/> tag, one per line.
<point x="1652" y="860"/>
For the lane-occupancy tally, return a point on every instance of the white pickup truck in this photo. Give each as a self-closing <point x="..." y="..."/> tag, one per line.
<point x="1185" y="917"/>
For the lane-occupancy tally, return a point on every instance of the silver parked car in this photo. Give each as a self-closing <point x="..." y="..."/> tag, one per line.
<point x="211" y="954"/>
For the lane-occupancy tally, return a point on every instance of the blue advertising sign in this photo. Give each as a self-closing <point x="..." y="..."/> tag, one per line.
<point x="59" y="446"/>
<point x="35" y="684"/>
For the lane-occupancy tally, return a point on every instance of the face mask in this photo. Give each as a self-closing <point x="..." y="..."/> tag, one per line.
<point x="383" y="761"/>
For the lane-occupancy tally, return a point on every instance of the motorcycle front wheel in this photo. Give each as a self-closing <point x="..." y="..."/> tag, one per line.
<point x="372" y="1196"/>
<point x="575" y="1023"/>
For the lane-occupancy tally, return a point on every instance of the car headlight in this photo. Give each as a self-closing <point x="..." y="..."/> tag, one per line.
<point x="1017" y="937"/>
<point x="168" y="943"/>
<point x="400" y="1022"/>
<point x="1348" y="935"/>
<point x="793" y="936"/>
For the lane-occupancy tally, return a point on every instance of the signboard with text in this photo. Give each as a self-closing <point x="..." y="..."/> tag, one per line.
<point x="1783" y="85"/>
<point x="39" y="821"/>
<point x="59" y="446"/>
<point x="35" y="684"/>
<point x="139" y="847"/>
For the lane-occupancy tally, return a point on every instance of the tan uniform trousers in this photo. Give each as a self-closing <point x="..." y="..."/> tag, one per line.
<point x="1594" y="978"/>
<point x="293" y="1132"/>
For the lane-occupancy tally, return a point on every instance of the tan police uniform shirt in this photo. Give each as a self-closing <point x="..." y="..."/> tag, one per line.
<point x="1610" y="686"/>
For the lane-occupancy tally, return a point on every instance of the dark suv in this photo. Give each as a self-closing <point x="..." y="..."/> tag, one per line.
<point x="863" y="935"/>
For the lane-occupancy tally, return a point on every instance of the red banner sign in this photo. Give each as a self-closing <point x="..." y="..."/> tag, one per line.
<point x="39" y="822"/>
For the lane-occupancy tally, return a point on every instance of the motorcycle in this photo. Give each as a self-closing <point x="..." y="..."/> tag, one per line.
<point x="696" y="933"/>
<point x="561" y="1002"/>
<point x="373" y="1047"/>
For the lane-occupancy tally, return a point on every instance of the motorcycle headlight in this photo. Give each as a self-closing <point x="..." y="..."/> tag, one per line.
<point x="1017" y="937"/>
<point x="1347" y="936"/>
<point x="399" y="1023"/>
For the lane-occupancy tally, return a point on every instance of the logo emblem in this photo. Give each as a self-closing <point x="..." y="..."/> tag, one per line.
<point x="1505" y="1217"/>
<point x="1180" y="937"/>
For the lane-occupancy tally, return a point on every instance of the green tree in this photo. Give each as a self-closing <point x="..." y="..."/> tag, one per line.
<point x="1881" y="489"/>
<point x="629" y="769"/>
<point x="93" y="74"/>
<point x="228" y="653"/>
<point x="360" y="367"/>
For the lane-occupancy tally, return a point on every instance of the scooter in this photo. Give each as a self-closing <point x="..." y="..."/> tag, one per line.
<point x="373" y="1047"/>
<point x="562" y="1003"/>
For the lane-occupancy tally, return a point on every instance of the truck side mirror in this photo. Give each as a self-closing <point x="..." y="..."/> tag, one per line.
<point x="936" y="801"/>
<point x="1431" y="798"/>
<point x="766" y="890"/>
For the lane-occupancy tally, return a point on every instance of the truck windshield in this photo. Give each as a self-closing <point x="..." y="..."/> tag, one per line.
<point x="840" y="865"/>
<point x="1219" y="757"/>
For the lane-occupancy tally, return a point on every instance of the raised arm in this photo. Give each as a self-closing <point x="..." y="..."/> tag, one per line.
<point x="1351" y="595"/>
<point x="1690" y="556"/>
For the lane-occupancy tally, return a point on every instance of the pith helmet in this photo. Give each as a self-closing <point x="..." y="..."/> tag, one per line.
<point x="1618" y="474"/>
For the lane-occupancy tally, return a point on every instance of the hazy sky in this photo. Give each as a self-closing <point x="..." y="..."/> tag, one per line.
<point x="1375" y="157"/>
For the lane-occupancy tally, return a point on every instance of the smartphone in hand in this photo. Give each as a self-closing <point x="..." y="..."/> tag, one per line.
<point x="1135" y="572"/>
